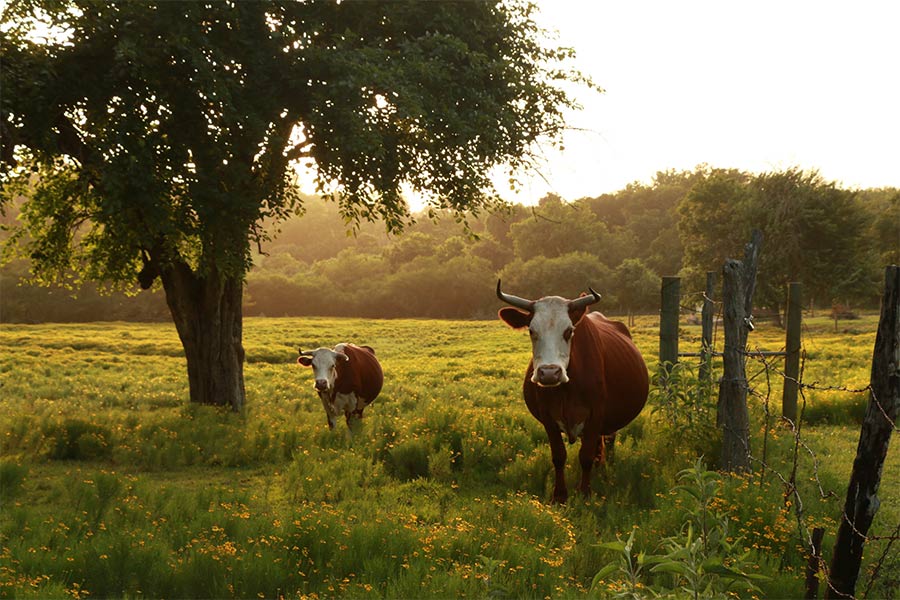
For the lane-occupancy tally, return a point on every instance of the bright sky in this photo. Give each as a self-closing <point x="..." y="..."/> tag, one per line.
<point x="758" y="86"/>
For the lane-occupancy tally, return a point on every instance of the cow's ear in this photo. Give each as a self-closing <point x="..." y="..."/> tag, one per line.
<point x="306" y="361"/>
<point x="369" y="348"/>
<point x="514" y="317"/>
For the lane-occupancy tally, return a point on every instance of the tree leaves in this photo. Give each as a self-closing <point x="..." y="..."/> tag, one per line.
<point x="180" y="117"/>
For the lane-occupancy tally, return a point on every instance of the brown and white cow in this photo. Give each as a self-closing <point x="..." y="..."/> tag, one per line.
<point x="586" y="377"/>
<point x="348" y="378"/>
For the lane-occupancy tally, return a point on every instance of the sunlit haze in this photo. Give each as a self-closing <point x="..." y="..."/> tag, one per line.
<point x="756" y="86"/>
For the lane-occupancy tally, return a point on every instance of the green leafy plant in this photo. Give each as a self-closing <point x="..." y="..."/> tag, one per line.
<point x="701" y="560"/>
<point x="630" y="571"/>
<point x="686" y="404"/>
<point x="493" y="577"/>
<point x="711" y="562"/>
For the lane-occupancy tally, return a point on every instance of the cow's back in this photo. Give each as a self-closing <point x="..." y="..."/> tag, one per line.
<point x="360" y="375"/>
<point x="606" y="365"/>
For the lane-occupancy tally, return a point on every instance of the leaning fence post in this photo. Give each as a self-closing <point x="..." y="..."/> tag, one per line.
<point x="732" y="416"/>
<point x="706" y="323"/>
<point x="792" y="353"/>
<point x="668" y="320"/>
<point x="875" y="436"/>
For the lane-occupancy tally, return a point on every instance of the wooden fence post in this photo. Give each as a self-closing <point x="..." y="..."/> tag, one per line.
<point x="813" y="563"/>
<point x="668" y="320"/>
<point x="878" y="425"/>
<point x="792" y="353"/>
<point x="706" y="320"/>
<point x="733" y="417"/>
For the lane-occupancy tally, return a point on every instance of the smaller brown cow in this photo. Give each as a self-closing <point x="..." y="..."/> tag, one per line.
<point x="348" y="378"/>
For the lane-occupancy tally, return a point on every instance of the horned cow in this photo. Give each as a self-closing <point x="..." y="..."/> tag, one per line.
<point x="586" y="378"/>
<point x="347" y="378"/>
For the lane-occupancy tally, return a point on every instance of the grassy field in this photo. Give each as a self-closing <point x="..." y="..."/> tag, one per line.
<point x="112" y="485"/>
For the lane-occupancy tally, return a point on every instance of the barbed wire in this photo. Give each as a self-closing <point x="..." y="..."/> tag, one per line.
<point x="816" y="386"/>
<point x="790" y="482"/>
<point x="792" y="490"/>
<point x="769" y="367"/>
<point x="882" y="558"/>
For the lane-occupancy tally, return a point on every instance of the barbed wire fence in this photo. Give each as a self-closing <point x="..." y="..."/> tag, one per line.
<point x="789" y="481"/>
<point x="766" y="366"/>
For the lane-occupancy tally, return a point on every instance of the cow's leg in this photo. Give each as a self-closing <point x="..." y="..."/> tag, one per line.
<point x="353" y="419"/>
<point x="327" y="406"/>
<point x="558" y="455"/>
<point x="607" y="448"/>
<point x="355" y="413"/>
<point x="348" y="417"/>
<point x="586" y="456"/>
<point x="345" y="404"/>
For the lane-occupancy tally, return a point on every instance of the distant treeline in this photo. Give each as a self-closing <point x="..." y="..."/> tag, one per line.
<point x="835" y="241"/>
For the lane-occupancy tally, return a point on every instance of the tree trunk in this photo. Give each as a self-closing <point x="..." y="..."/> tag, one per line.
<point x="733" y="418"/>
<point x="878" y="425"/>
<point x="207" y="315"/>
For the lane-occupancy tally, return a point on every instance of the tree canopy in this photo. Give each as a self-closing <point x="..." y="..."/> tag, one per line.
<point x="167" y="128"/>
<point x="816" y="233"/>
<point x="155" y="139"/>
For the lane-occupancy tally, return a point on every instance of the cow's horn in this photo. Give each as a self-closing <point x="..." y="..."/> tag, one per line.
<point x="302" y="353"/>
<point x="585" y="300"/>
<point x="515" y="300"/>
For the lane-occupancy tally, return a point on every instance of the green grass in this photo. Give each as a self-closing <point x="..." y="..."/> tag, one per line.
<point x="112" y="485"/>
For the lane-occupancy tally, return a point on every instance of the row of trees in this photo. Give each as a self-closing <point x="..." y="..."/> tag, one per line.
<point x="834" y="240"/>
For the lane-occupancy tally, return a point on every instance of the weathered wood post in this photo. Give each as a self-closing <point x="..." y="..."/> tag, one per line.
<point x="707" y="314"/>
<point x="792" y="350"/>
<point x="733" y="417"/>
<point x="875" y="436"/>
<point x="668" y="320"/>
<point x="813" y="562"/>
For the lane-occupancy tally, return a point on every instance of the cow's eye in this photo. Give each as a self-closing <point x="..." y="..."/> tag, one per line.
<point x="567" y="334"/>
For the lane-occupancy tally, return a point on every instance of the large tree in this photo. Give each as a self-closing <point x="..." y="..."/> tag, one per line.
<point x="818" y="237"/>
<point x="712" y="223"/>
<point x="152" y="139"/>
<point x="816" y="232"/>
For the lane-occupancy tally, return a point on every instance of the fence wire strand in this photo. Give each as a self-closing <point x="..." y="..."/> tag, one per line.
<point x="790" y="482"/>
<point x="768" y="366"/>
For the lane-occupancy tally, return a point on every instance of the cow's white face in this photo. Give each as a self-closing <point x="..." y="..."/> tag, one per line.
<point x="324" y="364"/>
<point x="551" y="325"/>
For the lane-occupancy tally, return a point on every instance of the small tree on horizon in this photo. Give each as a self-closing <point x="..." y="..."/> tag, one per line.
<point x="163" y="134"/>
<point x="637" y="287"/>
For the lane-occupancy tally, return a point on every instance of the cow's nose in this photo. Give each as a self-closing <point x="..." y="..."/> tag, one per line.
<point x="321" y="385"/>
<point x="549" y="375"/>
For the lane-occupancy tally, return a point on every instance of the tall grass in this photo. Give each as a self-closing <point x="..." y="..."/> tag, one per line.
<point x="112" y="485"/>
